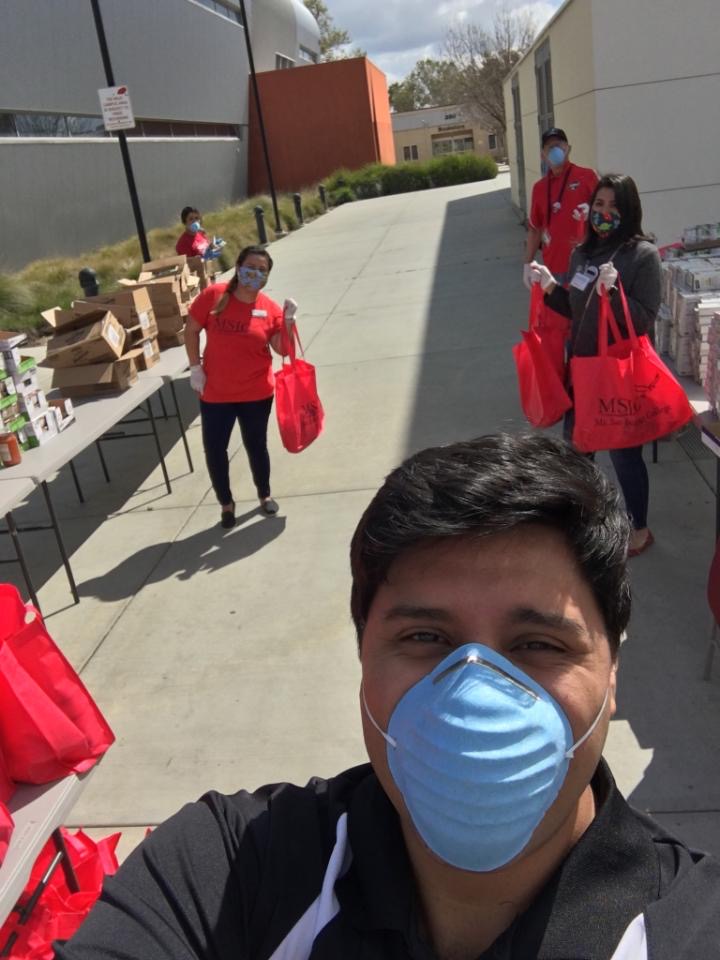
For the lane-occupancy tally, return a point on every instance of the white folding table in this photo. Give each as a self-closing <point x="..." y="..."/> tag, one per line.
<point x="12" y="494"/>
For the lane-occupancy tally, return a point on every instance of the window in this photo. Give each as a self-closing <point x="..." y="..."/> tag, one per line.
<point x="492" y="141"/>
<point x="227" y="11"/>
<point x="58" y="125"/>
<point x="282" y="62"/>
<point x="445" y="145"/>
<point x="308" y="55"/>
<point x="410" y="153"/>
<point x="543" y="80"/>
<point x="450" y="116"/>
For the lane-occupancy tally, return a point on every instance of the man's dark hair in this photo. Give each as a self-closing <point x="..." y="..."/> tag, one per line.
<point x="186" y="211"/>
<point x="627" y="201"/>
<point x="490" y="485"/>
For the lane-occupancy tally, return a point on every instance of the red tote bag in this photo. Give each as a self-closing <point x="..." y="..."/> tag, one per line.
<point x="625" y="396"/>
<point x="300" y="414"/>
<point x="543" y="397"/>
<point x="552" y="329"/>
<point x="49" y="724"/>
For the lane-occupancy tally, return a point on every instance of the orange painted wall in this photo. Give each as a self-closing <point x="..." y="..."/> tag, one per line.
<point x="317" y="119"/>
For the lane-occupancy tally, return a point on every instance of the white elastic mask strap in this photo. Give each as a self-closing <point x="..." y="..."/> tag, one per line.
<point x="571" y="752"/>
<point x="386" y="736"/>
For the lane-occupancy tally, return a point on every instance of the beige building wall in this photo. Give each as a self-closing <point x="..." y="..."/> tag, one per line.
<point x="636" y="87"/>
<point x="417" y="130"/>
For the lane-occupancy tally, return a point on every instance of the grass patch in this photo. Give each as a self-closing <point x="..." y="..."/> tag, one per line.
<point x="53" y="281"/>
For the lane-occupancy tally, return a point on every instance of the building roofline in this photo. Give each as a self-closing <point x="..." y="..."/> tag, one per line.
<point x="540" y="37"/>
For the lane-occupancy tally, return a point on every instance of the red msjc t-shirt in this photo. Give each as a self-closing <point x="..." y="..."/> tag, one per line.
<point x="237" y="359"/>
<point x="551" y="212"/>
<point x="192" y="244"/>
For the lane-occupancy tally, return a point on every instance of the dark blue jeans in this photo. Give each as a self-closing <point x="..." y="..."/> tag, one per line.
<point x="218" y="420"/>
<point x="631" y="473"/>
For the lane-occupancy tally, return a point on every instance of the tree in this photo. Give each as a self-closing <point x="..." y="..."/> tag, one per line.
<point x="331" y="37"/>
<point x="483" y="60"/>
<point x="431" y="83"/>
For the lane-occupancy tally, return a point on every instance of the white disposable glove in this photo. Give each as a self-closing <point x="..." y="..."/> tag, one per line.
<point x="289" y="311"/>
<point x="198" y="379"/>
<point x="526" y="274"/>
<point x="607" y="277"/>
<point x="539" y="273"/>
<point x="581" y="211"/>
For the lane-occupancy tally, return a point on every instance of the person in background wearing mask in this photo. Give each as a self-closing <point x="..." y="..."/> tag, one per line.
<point x="614" y="247"/>
<point x="235" y="379"/>
<point x="559" y="207"/>
<point x="194" y="241"/>
<point x="489" y="595"/>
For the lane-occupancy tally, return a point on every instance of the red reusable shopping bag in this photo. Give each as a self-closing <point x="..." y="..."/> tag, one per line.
<point x="625" y="396"/>
<point x="300" y="414"/>
<point x="49" y="724"/>
<point x="542" y="394"/>
<point x="552" y="329"/>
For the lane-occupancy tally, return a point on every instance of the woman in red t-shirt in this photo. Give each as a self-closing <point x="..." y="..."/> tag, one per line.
<point x="194" y="241"/>
<point x="235" y="380"/>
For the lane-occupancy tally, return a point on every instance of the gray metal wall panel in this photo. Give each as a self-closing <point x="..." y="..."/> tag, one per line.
<point x="180" y="60"/>
<point x="68" y="196"/>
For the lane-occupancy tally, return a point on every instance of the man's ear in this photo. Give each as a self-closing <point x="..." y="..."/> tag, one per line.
<point x="613" y="687"/>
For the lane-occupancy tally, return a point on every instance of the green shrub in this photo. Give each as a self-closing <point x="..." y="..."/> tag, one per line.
<point x="405" y="177"/>
<point x="461" y="168"/>
<point x="338" y="179"/>
<point x="342" y="195"/>
<point x="367" y="181"/>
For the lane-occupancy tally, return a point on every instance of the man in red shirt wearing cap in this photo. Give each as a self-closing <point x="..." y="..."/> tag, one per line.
<point x="560" y="207"/>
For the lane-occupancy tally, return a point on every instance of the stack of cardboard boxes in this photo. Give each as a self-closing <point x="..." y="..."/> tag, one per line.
<point x="25" y="412"/>
<point x="170" y="287"/>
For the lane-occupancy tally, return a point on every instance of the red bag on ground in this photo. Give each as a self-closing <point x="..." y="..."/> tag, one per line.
<point x="49" y="724"/>
<point x="542" y="394"/>
<point x="552" y="328"/>
<point x="59" y="912"/>
<point x="300" y="414"/>
<point x="625" y="396"/>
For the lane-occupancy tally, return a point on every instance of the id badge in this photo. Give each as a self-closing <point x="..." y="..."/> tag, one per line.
<point x="259" y="313"/>
<point x="580" y="281"/>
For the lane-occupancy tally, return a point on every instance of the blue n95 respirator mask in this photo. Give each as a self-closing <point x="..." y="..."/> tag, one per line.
<point x="479" y="752"/>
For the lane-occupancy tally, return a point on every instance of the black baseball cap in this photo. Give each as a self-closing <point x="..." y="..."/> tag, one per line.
<point x="554" y="133"/>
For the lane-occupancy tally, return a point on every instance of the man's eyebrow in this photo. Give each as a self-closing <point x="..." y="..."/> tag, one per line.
<point x="409" y="612"/>
<point x="554" y="621"/>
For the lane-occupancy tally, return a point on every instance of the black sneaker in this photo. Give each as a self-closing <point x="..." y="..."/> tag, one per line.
<point x="227" y="518"/>
<point x="269" y="507"/>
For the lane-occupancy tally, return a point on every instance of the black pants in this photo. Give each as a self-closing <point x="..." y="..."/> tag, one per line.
<point x="218" y="420"/>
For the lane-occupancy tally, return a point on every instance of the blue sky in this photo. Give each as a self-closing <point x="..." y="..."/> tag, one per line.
<point x="398" y="33"/>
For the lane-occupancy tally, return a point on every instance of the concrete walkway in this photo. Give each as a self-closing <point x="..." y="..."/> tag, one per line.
<point x="228" y="660"/>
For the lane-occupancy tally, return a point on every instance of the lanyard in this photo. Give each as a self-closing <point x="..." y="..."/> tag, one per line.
<point x="562" y="191"/>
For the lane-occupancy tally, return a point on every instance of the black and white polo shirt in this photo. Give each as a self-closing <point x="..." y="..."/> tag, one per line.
<point x="320" y="873"/>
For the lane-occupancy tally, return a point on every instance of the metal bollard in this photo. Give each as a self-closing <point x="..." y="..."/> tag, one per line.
<point x="323" y="196"/>
<point x="297" y="201"/>
<point x="260" y="221"/>
<point x="87" y="278"/>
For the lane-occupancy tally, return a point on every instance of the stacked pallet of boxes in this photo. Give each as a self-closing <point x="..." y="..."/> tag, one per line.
<point x="86" y="351"/>
<point x="133" y="308"/>
<point x="170" y="287"/>
<point x="712" y="374"/>
<point x="27" y="418"/>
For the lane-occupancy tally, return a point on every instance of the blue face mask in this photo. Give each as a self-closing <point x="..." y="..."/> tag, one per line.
<point x="556" y="156"/>
<point x="249" y="277"/>
<point x="605" y="223"/>
<point x="195" y="226"/>
<point x="479" y="752"/>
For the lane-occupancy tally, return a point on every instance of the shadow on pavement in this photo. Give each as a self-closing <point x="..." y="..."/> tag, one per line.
<point x="204" y="552"/>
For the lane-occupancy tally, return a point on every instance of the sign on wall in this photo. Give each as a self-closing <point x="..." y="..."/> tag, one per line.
<point x="116" y="108"/>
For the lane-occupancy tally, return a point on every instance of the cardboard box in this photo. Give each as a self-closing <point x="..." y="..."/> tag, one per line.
<point x="170" y="324"/>
<point x="168" y="340"/>
<point x="62" y="321"/>
<point x="131" y="306"/>
<point x="63" y="411"/>
<point x="27" y="381"/>
<point x="9" y="411"/>
<point x="10" y="339"/>
<point x="7" y="384"/>
<point x="41" y="428"/>
<point x="167" y="267"/>
<point x="33" y="402"/>
<point x="102" y="340"/>
<point x="150" y="353"/>
<point x="134" y="336"/>
<point x="17" y="365"/>
<point x="96" y="378"/>
<point x="204" y="270"/>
